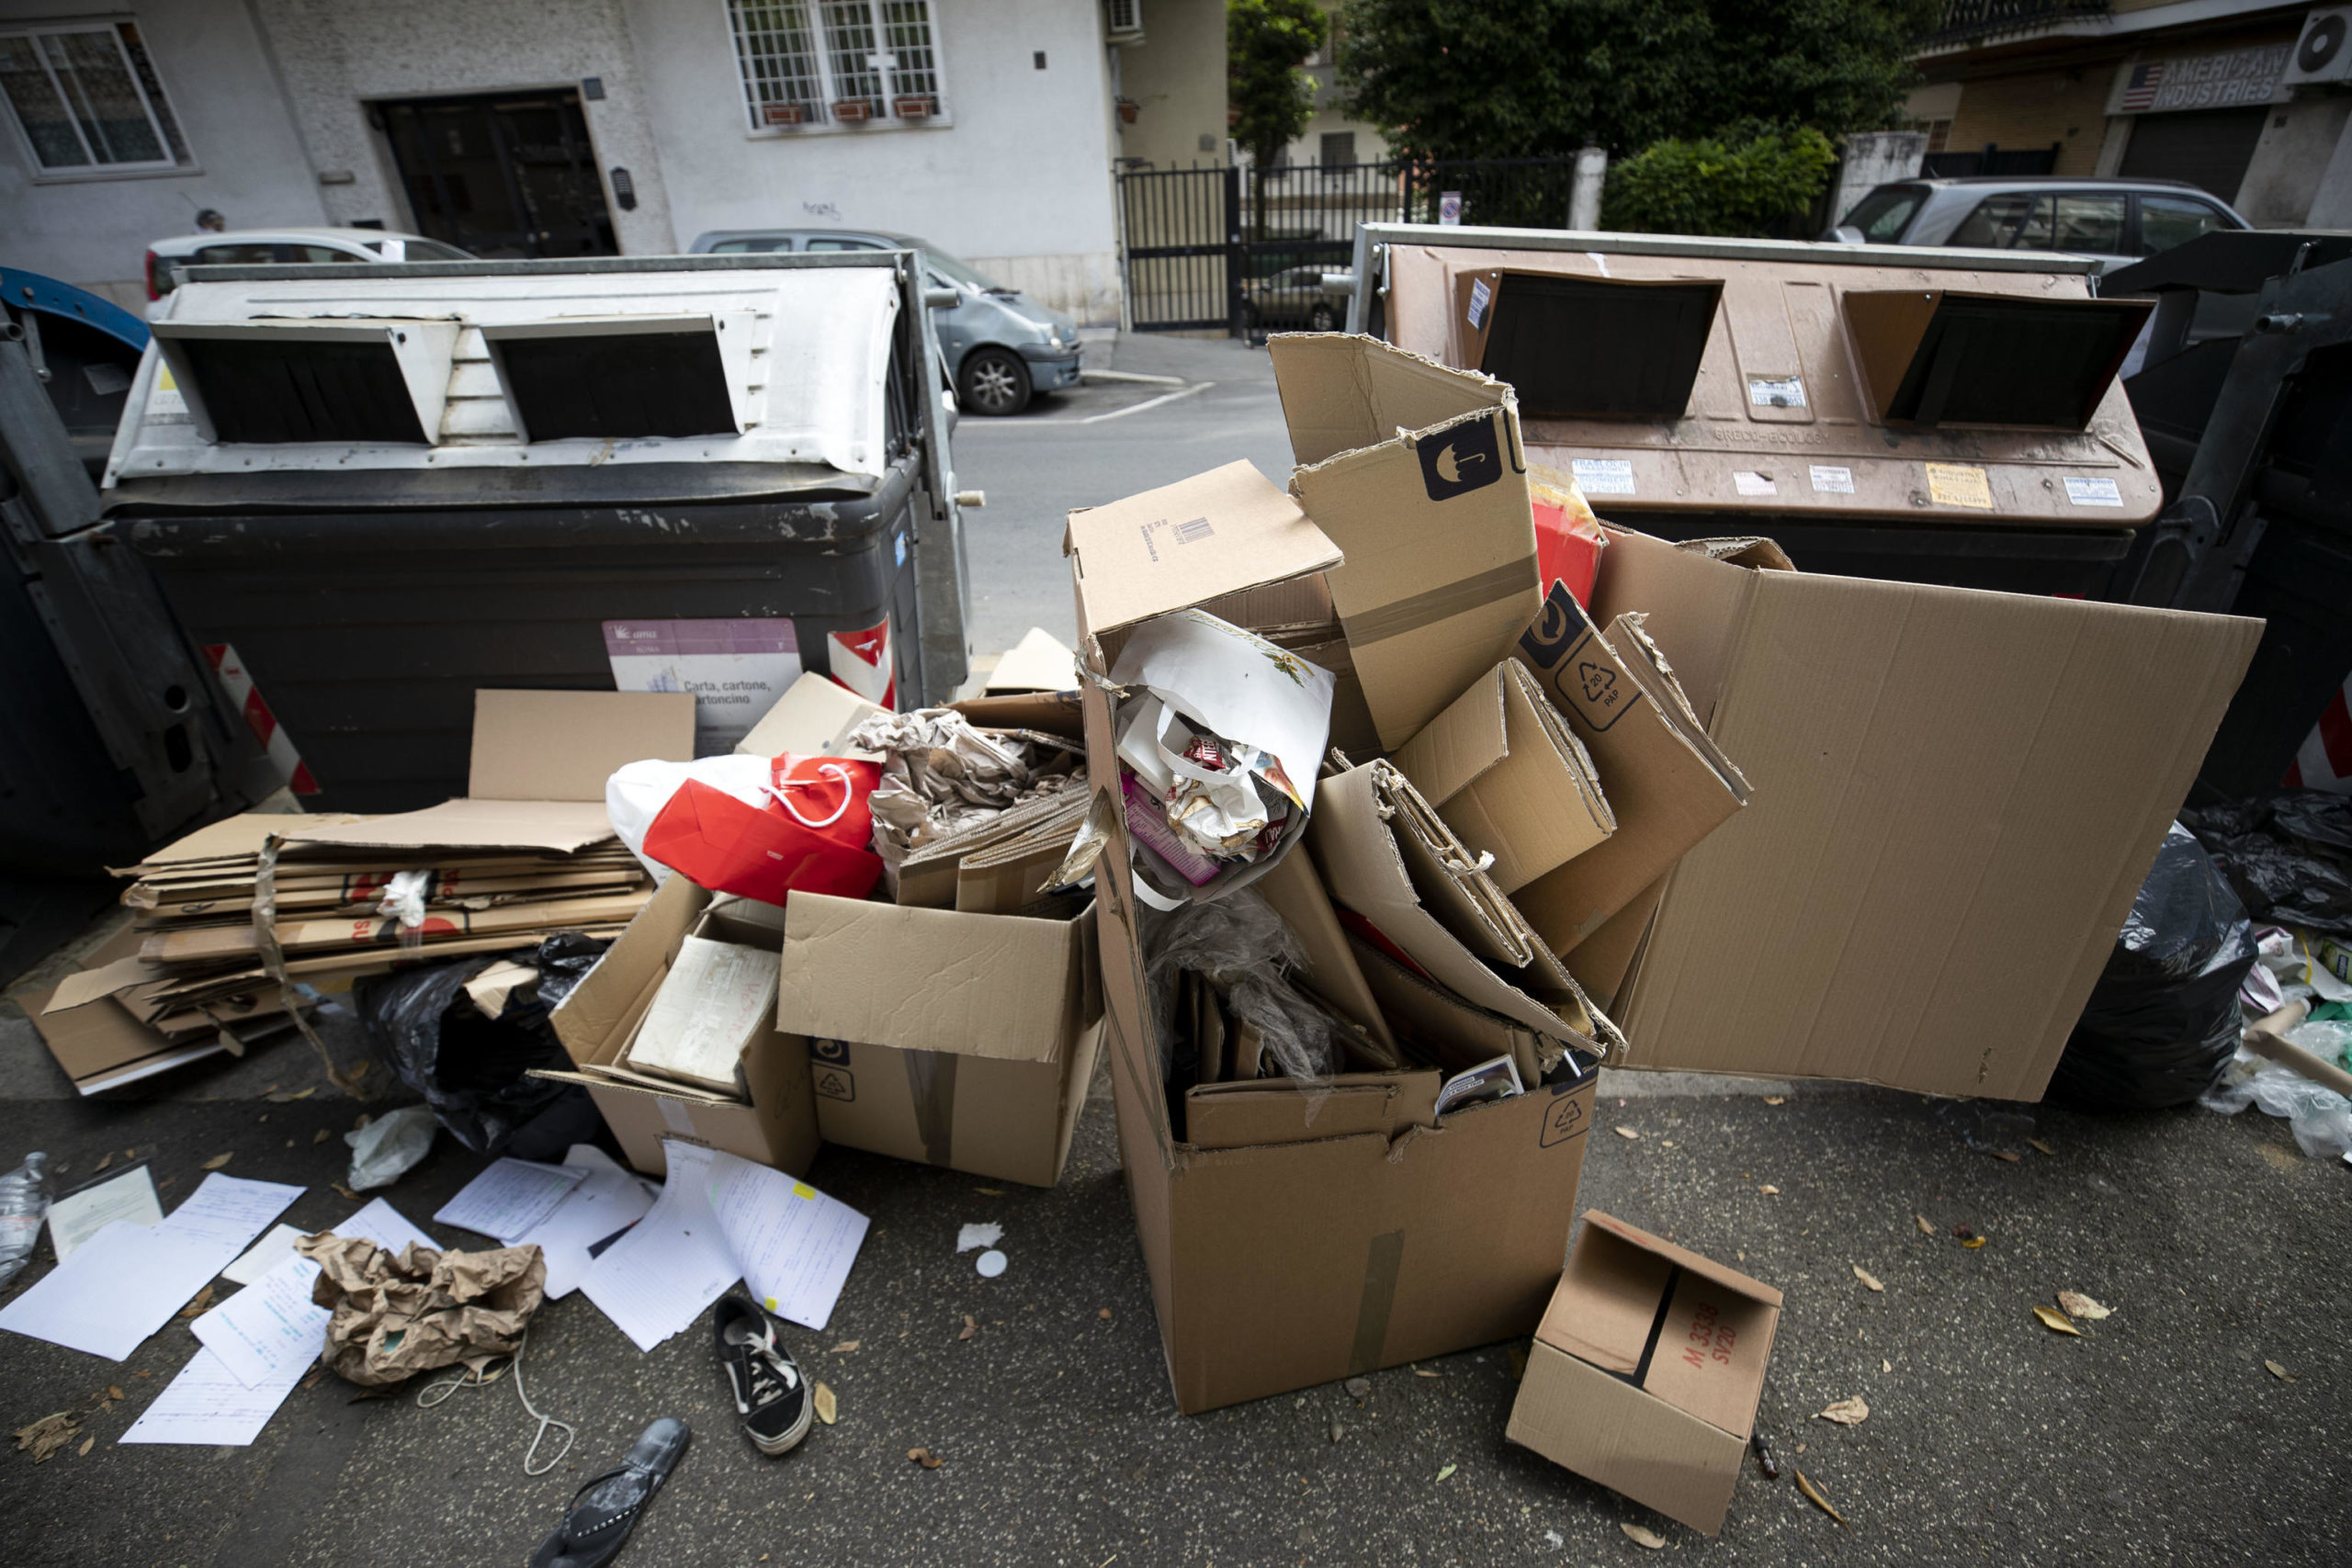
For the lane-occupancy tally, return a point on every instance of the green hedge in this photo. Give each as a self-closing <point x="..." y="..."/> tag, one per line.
<point x="1740" y="187"/>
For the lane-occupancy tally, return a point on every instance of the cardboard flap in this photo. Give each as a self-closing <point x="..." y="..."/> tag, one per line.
<point x="997" y="986"/>
<point x="1470" y="736"/>
<point x="623" y="981"/>
<point x="1341" y="392"/>
<point x="1607" y="1300"/>
<point x="1242" y="1115"/>
<point x="86" y="986"/>
<point x="1331" y="971"/>
<point x="813" y="718"/>
<point x="1165" y="549"/>
<point x="1957" y="796"/>
<point x="1731" y="1280"/>
<point x="236" y="840"/>
<point x="564" y="745"/>
<point x="558" y="827"/>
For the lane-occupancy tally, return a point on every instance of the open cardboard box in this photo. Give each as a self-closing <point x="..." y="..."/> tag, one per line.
<point x="1646" y="1369"/>
<point x="955" y="1039"/>
<point x="601" y="1017"/>
<point x="1278" y="1264"/>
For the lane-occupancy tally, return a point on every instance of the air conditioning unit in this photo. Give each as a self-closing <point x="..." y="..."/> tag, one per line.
<point x="2324" y="51"/>
<point x="1125" y="20"/>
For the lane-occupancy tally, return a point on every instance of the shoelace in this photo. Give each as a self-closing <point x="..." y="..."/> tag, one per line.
<point x="772" y="1377"/>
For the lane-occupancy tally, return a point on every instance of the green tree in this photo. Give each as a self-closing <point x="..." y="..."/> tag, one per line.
<point x="1266" y="42"/>
<point x="1539" y="78"/>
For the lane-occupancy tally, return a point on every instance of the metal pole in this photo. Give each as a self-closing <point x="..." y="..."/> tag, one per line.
<point x="1584" y="194"/>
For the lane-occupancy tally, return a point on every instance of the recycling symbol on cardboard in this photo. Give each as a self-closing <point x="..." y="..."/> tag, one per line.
<point x="1599" y="683"/>
<point x="1564" y="1120"/>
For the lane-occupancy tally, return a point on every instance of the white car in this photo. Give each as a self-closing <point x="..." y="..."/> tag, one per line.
<point x="258" y="247"/>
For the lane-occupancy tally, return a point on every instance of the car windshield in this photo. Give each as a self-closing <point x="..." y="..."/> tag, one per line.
<point x="1883" y="215"/>
<point x="433" y="249"/>
<point x="961" y="272"/>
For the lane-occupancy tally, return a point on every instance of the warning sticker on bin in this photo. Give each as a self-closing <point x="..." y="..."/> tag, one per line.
<point x="1748" y="482"/>
<point x="1776" y="391"/>
<point x="1829" y="480"/>
<point x="1603" y="476"/>
<point x="2094" y="493"/>
<point x="1959" y="484"/>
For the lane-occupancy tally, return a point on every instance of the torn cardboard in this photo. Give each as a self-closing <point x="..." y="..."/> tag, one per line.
<point x="1646" y="1369"/>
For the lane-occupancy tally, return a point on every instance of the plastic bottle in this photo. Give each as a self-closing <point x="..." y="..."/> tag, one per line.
<point x="24" y="1205"/>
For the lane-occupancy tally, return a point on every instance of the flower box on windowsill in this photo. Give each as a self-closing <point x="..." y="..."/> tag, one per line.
<point x="782" y="114"/>
<point x="912" y="107"/>
<point x="853" y="111"/>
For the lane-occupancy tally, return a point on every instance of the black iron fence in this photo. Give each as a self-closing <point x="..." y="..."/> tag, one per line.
<point x="1244" y="250"/>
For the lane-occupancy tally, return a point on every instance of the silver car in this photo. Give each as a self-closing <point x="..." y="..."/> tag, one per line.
<point x="1001" y="347"/>
<point x="2115" y="220"/>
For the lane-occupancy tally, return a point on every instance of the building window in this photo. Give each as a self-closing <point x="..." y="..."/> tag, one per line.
<point x="836" y="62"/>
<point x="1338" y="147"/>
<point x="89" y="100"/>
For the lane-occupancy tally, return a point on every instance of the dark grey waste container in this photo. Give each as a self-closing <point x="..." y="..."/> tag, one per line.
<point x="543" y="529"/>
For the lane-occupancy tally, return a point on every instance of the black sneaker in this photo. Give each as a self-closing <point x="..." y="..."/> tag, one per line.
<point x="771" y="1396"/>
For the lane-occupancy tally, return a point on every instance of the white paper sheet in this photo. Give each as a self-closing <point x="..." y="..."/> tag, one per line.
<point x="207" y="1405"/>
<point x="263" y="1256"/>
<point x="273" y="1324"/>
<point x="608" y="1202"/>
<point x="78" y="1216"/>
<point x="509" y="1197"/>
<point x="792" y="1243"/>
<point x="657" y="1280"/>
<point x="127" y="1280"/>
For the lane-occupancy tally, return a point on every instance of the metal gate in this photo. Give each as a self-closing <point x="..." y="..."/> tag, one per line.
<point x="1243" y="250"/>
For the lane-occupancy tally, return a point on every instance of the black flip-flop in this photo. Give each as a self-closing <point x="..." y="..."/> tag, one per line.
<point x="605" y="1510"/>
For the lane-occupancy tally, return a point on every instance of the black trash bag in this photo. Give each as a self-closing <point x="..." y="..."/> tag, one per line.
<point x="473" y="1071"/>
<point x="2162" y="1020"/>
<point x="2288" y="853"/>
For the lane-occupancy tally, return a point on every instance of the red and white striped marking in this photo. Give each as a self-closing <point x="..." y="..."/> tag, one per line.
<point x="239" y="684"/>
<point x="2324" y="760"/>
<point x="861" y="661"/>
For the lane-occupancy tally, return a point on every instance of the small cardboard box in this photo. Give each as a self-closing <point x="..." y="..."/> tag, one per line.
<point x="955" y="1039"/>
<point x="598" y="1020"/>
<point x="1646" y="1372"/>
<point x="1280" y="1264"/>
<point x="813" y="718"/>
<point x="1440" y="575"/>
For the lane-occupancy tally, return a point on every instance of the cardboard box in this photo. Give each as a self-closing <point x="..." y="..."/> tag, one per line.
<point x="813" y="718"/>
<point x="1646" y="1369"/>
<point x="955" y="1039"/>
<point x="1439" y="577"/>
<point x="1278" y="1265"/>
<point x="1509" y="776"/>
<point x="599" y="1020"/>
<point x="1669" y="785"/>
<point x="1957" y="794"/>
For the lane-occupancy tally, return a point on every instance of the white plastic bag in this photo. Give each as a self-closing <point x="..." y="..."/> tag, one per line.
<point x="389" y="1147"/>
<point x="635" y="796"/>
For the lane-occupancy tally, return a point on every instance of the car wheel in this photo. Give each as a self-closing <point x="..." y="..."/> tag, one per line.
<point x="1321" y="318"/>
<point x="994" y="382"/>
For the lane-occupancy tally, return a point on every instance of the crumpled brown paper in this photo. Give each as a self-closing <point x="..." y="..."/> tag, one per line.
<point x="396" y="1316"/>
<point x="942" y="775"/>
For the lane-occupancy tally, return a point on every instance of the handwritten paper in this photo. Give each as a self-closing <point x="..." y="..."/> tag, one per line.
<point x="273" y="1324"/>
<point x="792" y="1243"/>
<point x="205" y="1403"/>
<point x="607" y="1201"/>
<point x="232" y="1209"/>
<point x="77" y="1217"/>
<point x="509" y="1197"/>
<point x="263" y="1255"/>
<point x="674" y="1263"/>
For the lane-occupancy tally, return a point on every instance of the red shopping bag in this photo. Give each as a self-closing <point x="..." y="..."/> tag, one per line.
<point x="811" y="834"/>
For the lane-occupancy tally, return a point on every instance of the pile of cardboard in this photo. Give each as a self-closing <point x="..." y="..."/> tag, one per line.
<point x="234" y="921"/>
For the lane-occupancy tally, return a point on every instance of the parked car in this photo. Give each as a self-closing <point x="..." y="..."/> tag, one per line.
<point x="1001" y="347"/>
<point x="262" y="247"/>
<point x="2116" y="221"/>
<point x="1290" y="297"/>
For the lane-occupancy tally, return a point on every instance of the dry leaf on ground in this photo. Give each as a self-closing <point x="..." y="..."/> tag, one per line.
<point x="87" y="1444"/>
<point x="1770" y="1190"/>
<point x="1444" y="1470"/>
<point x="970" y="1328"/>
<point x="2038" y="1144"/>
<point x="345" y="1193"/>
<point x="2056" y="1320"/>
<point x="1846" y="1412"/>
<point x="320" y="1136"/>
<point x="2281" y="1373"/>
<point x="1776" y="1100"/>
<point x="827" y="1406"/>
<point x="2076" y="1305"/>
<point x="46" y="1436"/>
<point x="2004" y="1154"/>
<point x="1423" y="1372"/>
<point x="990" y="1192"/>
<point x="1869" y="1280"/>
<point x="1103" y="1313"/>
<point x="104" y="1160"/>
<point x="114" y="1391"/>
<point x="1884" y="1365"/>
<point x="1627" y="1132"/>
<point x="290" y="1099"/>
<point x="1641" y="1537"/>
<point x="217" y="1161"/>
<point x="924" y="1458"/>
<point x="195" y="1308"/>
<point x="1812" y="1496"/>
<point x="845" y="1347"/>
<point x="1925" y="1228"/>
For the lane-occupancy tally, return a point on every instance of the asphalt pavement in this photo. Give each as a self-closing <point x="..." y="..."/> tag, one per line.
<point x="2161" y="1435"/>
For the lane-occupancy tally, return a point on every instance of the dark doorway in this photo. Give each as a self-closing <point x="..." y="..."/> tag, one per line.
<point x="2209" y="148"/>
<point x="503" y="174"/>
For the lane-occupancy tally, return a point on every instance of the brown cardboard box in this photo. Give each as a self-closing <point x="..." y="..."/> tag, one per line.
<point x="1646" y="1372"/>
<point x="955" y="1039"/>
<point x="1509" y="776"/>
<point x="1668" y="785"/>
<point x="813" y="718"/>
<point x="1440" y="578"/>
<point x="600" y="1018"/>
<point x="1957" y="796"/>
<point x="1278" y="1265"/>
